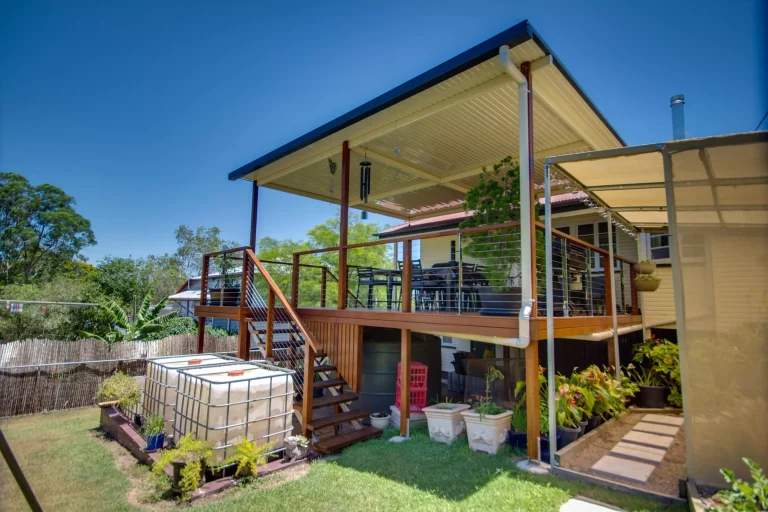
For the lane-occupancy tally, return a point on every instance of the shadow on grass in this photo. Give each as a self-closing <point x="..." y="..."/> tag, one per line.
<point x="456" y="473"/>
<point x="451" y="472"/>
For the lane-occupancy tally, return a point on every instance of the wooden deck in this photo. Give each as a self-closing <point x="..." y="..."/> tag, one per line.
<point x="435" y="322"/>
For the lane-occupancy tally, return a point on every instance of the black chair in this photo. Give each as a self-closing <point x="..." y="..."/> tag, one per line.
<point x="366" y="280"/>
<point x="424" y="290"/>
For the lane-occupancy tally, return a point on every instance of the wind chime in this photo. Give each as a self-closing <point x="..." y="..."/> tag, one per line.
<point x="332" y="170"/>
<point x="365" y="183"/>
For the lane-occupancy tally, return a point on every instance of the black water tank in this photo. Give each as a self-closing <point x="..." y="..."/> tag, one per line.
<point x="381" y="353"/>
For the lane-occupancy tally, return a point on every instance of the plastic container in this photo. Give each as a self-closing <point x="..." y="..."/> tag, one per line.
<point x="221" y="404"/>
<point x="418" y="375"/>
<point x="161" y="378"/>
<point x="418" y="399"/>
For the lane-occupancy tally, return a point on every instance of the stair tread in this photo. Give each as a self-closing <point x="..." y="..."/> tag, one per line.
<point x="336" y="419"/>
<point x="334" y="443"/>
<point x="324" y="368"/>
<point x="328" y="401"/>
<point x="330" y="383"/>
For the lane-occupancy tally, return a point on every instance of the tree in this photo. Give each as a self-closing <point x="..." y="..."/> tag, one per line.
<point x="321" y="236"/>
<point x="50" y="320"/>
<point x="148" y="320"/>
<point x="193" y="244"/>
<point x="39" y="229"/>
<point x="118" y="279"/>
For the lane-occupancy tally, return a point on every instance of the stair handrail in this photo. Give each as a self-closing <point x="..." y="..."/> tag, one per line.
<point x="308" y="337"/>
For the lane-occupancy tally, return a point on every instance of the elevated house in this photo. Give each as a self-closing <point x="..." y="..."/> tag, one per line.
<point x="413" y="153"/>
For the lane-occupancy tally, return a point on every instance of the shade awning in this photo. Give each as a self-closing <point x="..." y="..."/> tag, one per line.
<point x="719" y="180"/>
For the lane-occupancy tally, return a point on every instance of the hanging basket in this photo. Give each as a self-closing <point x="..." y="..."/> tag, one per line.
<point x="645" y="268"/>
<point x="646" y="285"/>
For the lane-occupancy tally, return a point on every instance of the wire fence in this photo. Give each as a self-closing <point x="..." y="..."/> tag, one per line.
<point x="47" y="375"/>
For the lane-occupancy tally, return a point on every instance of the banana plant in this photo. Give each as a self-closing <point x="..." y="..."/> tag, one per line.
<point x="148" y="321"/>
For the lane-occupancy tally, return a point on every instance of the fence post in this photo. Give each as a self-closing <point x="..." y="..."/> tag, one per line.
<point x="36" y="398"/>
<point x="203" y="300"/>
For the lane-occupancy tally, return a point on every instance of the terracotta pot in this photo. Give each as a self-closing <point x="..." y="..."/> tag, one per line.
<point x="646" y="285"/>
<point x="645" y="268"/>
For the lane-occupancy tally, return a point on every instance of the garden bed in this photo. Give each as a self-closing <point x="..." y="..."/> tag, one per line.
<point x="663" y="480"/>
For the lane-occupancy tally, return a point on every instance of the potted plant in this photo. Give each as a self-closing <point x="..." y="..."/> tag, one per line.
<point x="664" y="359"/>
<point x="517" y="437"/>
<point x="647" y="283"/>
<point x="296" y="448"/>
<point x="380" y="420"/>
<point x="248" y="457"/>
<point x="119" y="390"/>
<point x="189" y="459"/>
<point x="153" y="431"/>
<point x="444" y="421"/>
<point x="645" y="267"/>
<point x="568" y="413"/>
<point x="652" y="394"/>
<point x="496" y="200"/>
<point x="487" y="423"/>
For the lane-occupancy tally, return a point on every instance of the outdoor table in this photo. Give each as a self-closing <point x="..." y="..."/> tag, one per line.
<point x="449" y="275"/>
<point x="393" y="277"/>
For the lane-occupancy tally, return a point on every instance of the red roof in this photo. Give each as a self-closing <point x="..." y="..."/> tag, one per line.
<point x="453" y="218"/>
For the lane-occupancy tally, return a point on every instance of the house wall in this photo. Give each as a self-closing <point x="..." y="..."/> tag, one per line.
<point x="659" y="306"/>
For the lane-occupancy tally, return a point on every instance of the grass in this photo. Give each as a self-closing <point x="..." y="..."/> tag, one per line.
<point x="70" y="468"/>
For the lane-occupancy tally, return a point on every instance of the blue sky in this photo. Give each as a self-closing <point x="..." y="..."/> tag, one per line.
<point x="140" y="109"/>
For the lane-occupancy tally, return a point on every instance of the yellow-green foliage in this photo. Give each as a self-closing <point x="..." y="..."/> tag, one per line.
<point x="122" y="388"/>
<point x="192" y="452"/>
<point x="248" y="457"/>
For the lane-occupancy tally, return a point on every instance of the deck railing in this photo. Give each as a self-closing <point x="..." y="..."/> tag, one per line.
<point x="468" y="271"/>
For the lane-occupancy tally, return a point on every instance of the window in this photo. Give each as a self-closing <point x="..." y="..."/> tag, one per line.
<point x="586" y="232"/>
<point x="660" y="246"/>
<point x="453" y="250"/>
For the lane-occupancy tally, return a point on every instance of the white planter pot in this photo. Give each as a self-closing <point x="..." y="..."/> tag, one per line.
<point x="488" y="433"/>
<point x="445" y="422"/>
<point x="380" y="422"/>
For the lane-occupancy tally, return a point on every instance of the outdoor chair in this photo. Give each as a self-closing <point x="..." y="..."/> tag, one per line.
<point x="366" y="280"/>
<point x="425" y="291"/>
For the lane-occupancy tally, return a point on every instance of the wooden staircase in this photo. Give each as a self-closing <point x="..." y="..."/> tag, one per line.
<point x="336" y="425"/>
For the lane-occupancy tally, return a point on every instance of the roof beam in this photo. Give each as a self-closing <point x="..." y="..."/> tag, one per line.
<point x="328" y="153"/>
<point x="311" y="195"/>
<point x="402" y="190"/>
<point x="559" y="150"/>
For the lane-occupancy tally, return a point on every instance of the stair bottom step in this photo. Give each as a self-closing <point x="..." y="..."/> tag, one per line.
<point x="335" y="443"/>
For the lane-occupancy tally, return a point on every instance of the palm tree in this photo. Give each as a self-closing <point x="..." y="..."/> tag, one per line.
<point x="148" y="321"/>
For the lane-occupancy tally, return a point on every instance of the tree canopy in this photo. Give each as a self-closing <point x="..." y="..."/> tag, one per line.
<point x="193" y="244"/>
<point x="40" y="231"/>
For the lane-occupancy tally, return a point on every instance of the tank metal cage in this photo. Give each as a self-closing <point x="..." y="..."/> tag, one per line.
<point x="194" y="408"/>
<point x="157" y="394"/>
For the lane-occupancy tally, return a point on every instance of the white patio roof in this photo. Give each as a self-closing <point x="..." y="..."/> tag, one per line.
<point x="719" y="180"/>
<point x="446" y="125"/>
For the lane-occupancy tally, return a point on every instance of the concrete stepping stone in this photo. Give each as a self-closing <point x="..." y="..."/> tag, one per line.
<point x="647" y="439"/>
<point x="623" y="468"/>
<point x="638" y="452"/>
<point x="655" y="428"/>
<point x="663" y="419"/>
<point x="579" y="504"/>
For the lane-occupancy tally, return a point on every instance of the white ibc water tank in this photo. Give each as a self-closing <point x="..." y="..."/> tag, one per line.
<point x="222" y="404"/>
<point x="161" y="378"/>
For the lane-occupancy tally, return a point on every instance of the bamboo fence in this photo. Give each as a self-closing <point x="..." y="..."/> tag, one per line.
<point x="49" y="375"/>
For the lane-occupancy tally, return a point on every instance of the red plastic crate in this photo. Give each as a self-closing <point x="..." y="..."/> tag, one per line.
<point x="418" y="375"/>
<point x="418" y="399"/>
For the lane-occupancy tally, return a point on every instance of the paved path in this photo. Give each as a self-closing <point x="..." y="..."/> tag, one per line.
<point x="641" y="450"/>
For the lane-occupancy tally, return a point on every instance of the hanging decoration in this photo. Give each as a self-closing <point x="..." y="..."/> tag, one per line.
<point x="365" y="182"/>
<point x="332" y="170"/>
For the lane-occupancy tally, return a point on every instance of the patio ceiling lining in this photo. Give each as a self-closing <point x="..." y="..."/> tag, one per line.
<point x="448" y="124"/>
<point x="716" y="180"/>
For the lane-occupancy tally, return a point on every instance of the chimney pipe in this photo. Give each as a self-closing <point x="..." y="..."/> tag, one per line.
<point x="677" y="103"/>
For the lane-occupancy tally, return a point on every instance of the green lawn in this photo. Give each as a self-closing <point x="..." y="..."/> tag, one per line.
<point x="71" y="467"/>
